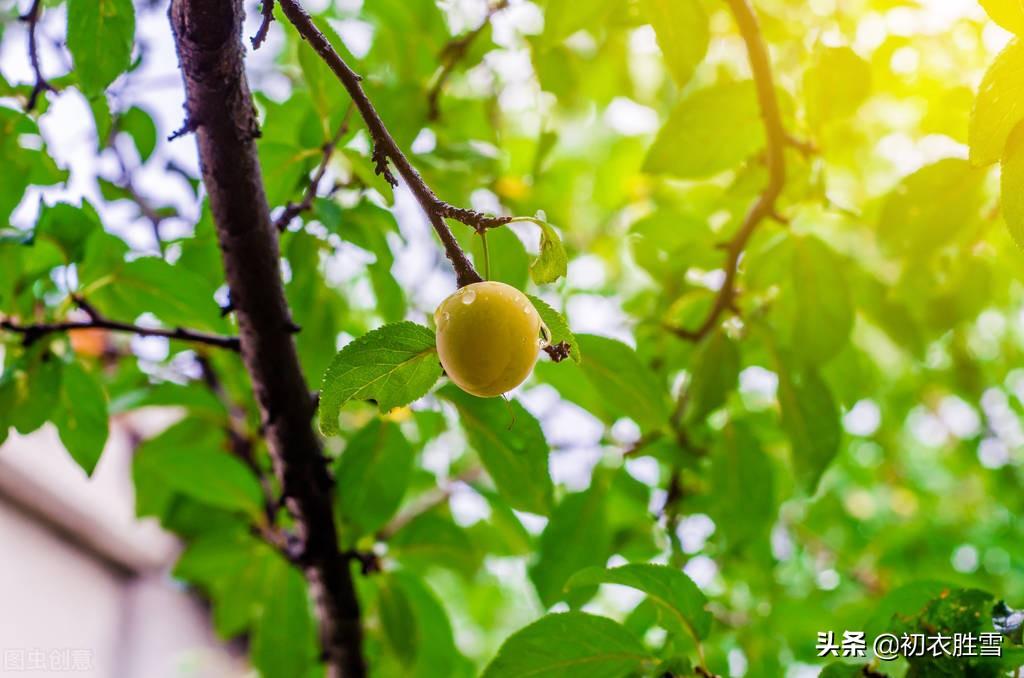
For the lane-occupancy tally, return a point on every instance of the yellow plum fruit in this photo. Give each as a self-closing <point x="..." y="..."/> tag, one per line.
<point x="488" y="338"/>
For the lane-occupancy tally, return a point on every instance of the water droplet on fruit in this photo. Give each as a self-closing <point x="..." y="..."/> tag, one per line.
<point x="526" y="309"/>
<point x="469" y="297"/>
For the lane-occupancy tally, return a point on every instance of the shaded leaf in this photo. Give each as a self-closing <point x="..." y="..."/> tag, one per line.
<point x="374" y="470"/>
<point x="811" y="420"/>
<point x="81" y="416"/>
<point x="100" y="36"/>
<point x="681" y="27"/>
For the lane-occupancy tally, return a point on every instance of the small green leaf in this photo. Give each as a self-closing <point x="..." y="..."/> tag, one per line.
<point x="511" y="446"/>
<point x="81" y="416"/>
<point x="394" y="365"/>
<point x="712" y="130"/>
<point x="552" y="262"/>
<point x="824" y="311"/>
<point x="811" y="420"/>
<point x="138" y="124"/>
<point x="836" y="84"/>
<point x="374" y="469"/>
<point x="716" y="368"/>
<point x="999" y="105"/>
<point x="206" y="473"/>
<point x="100" y="36"/>
<point x="557" y="325"/>
<point x="679" y="601"/>
<point x="1012" y="179"/>
<point x="417" y="627"/>
<point x="569" y="644"/>
<point x="681" y="27"/>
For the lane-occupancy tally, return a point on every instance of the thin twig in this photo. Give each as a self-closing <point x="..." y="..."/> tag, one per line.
<point x="146" y="208"/>
<point x="776" y="140"/>
<point x="452" y="54"/>
<point x="293" y="209"/>
<point x="34" y="332"/>
<point x="386" y="149"/>
<point x="267" y="11"/>
<point x="41" y="84"/>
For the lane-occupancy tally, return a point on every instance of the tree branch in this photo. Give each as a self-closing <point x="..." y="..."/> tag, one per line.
<point x="385" y="149"/>
<point x="41" y="84"/>
<point x="452" y="54"/>
<point x="208" y="37"/>
<point x="267" y="11"/>
<point x="776" y="141"/>
<point x="34" y="332"/>
<point x="292" y="210"/>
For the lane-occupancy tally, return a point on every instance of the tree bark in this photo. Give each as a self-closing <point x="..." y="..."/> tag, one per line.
<point x="220" y="111"/>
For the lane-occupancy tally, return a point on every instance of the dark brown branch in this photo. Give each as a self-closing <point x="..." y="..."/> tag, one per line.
<point x="31" y="18"/>
<point x="558" y="352"/>
<point x="34" y="332"/>
<point x="385" y="149"/>
<point x="776" y="140"/>
<point x="292" y="209"/>
<point x="267" y="12"/>
<point x="208" y="37"/>
<point x="452" y="54"/>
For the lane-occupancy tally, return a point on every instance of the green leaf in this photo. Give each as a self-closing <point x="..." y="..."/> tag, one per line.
<point x="417" y="627"/>
<point x="511" y="446"/>
<point x="394" y="365"/>
<point x="680" y="603"/>
<point x="137" y="124"/>
<point x="205" y="472"/>
<point x="931" y="206"/>
<point x="625" y="385"/>
<point x="69" y="227"/>
<point x="28" y="387"/>
<point x="562" y="19"/>
<point x="510" y="262"/>
<point x="100" y="36"/>
<point x="811" y="420"/>
<point x="552" y="262"/>
<point x="742" y="486"/>
<point x="569" y="644"/>
<point x="1012" y="185"/>
<point x="683" y="34"/>
<point x="712" y="130"/>
<point x="716" y="369"/>
<point x="283" y="640"/>
<point x="823" y="308"/>
<point x="576" y="537"/>
<point x="434" y="540"/>
<point x="101" y="117"/>
<point x="557" y="325"/>
<point x="374" y="469"/>
<point x="999" y="105"/>
<point x="836" y="84"/>
<point x="326" y="93"/>
<point x="81" y="416"/>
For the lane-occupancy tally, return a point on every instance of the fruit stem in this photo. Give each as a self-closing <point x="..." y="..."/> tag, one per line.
<point x="487" y="255"/>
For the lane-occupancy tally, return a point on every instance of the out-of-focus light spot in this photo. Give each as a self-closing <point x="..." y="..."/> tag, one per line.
<point x="965" y="559"/>
<point x="863" y="419"/>
<point x="868" y="454"/>
<point x="781" y="543"/>
<point x="995" y="38"/>
<point x="759" y="381"/>
<point x="997" y="560"/>
<point x="926" y="427"/>
<point x="902" y="21"/>
<point x="425" y="141"/>
<point x="534" y="524"/>
<point x="993" y="453"/>
<point x="737" y="662"/>
<point x="573" y="467"/>
<point x="587" y="272"/>
<point x="694" y="530"/>
<point x="357" y="35"/>
<point x="629" y="118"/>
<point x="960" y="418"/>
<point x="468" y="507"/>
<point x="643" y="41"/>
<point x="828" y="580"/>
<point x="860" y="504"/>
<point x="871" y="33"/>
<point x="644" y="469"/>
<point x="903" y="502"/>
<point x="625" y="431"/>
<point x="702" y="570"/>
<point x="154" y="349"/>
